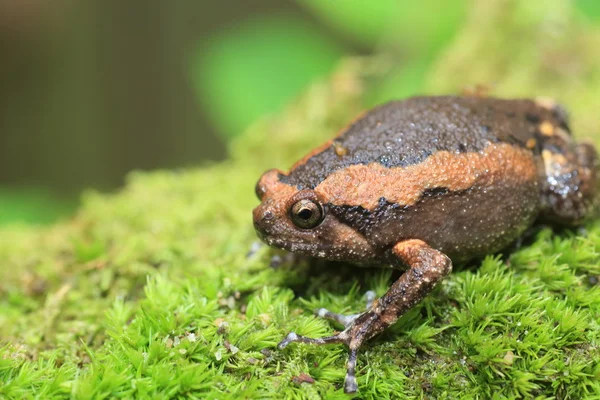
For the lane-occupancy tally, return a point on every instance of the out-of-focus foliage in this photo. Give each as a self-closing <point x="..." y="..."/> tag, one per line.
<point x="365" y="22"/>
<point x="240" y="65"/>
<point x="31" y="205"/>
<point x="419" y="33"/>
<point x="256" y="68"/>
<point x="590" y="8"/>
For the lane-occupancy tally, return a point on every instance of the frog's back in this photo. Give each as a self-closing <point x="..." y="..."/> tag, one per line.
<point x="404" y="133"/>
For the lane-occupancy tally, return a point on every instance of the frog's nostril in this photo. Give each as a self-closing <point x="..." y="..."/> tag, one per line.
<point x="260" y="230"/>
<point x="263" y="220"/>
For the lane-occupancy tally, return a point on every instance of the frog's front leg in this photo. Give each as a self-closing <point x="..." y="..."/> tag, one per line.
<point x="427" y="267"/>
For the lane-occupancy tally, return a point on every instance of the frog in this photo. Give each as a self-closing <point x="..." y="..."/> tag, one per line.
<point x="422" y="184"/>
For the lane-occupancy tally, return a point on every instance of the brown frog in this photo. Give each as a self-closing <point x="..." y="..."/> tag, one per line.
<point x="419" y="184"/>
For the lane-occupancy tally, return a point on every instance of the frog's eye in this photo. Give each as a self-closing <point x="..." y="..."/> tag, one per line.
<point x="306" y="214"/>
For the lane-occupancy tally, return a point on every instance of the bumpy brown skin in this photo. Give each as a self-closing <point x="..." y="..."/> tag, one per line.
<point x="414" y="184"/>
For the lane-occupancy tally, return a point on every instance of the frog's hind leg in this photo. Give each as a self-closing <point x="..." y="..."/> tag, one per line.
<point x="570" y="187"/>
<point x="427" y="267"/>
<point x="346" y="319"/>
<point x="589" y="165"/>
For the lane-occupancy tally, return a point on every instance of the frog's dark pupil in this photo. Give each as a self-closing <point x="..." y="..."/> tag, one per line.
<point x="305" y="214"/>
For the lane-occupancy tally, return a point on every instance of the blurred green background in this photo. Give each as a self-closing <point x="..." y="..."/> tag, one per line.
<point x="90" y="90"/>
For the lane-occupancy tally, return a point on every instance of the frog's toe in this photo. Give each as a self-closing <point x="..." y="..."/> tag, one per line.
<point x="345" y="320"/>
<point x="350" y="385"/>
<point x="291" y="337"/>
<point x="370" y="296"/>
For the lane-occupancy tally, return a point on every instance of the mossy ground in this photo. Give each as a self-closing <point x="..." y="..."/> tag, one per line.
<point x="153" y="292"/>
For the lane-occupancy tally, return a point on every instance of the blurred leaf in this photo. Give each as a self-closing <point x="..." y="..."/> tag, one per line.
<point x="420" y="32"/>
<point x="364" y="21"/>
<point x="257" y="67"/>
<point x="426" y="26"/>
<point x="590" y="8"/>
<point x="31" y="205"/>
<point x="405" y="81"/>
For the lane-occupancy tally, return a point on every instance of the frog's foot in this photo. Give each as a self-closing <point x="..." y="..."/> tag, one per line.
<point x="349" y="337"/>
<point x="363" y="327"/>
<point x="346" y="320"/>
<point x="350" y="384"/>
<point x="427" y="268"/>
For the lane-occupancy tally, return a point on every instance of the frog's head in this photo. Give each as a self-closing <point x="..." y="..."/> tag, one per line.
<point x="298" y="221"/>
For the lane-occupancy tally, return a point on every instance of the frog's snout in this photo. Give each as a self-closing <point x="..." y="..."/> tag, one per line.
<point x="263" y="218"/>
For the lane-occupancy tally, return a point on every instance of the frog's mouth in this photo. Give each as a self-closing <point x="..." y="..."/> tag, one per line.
<point x="294" y="247"/>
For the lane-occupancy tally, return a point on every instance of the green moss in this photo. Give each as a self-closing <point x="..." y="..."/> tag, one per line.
<point x="151" y="292"/>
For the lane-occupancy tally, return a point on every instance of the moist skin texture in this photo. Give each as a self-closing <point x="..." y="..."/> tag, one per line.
<point x="419" y="183"/>
<point x="407" y="132"/>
